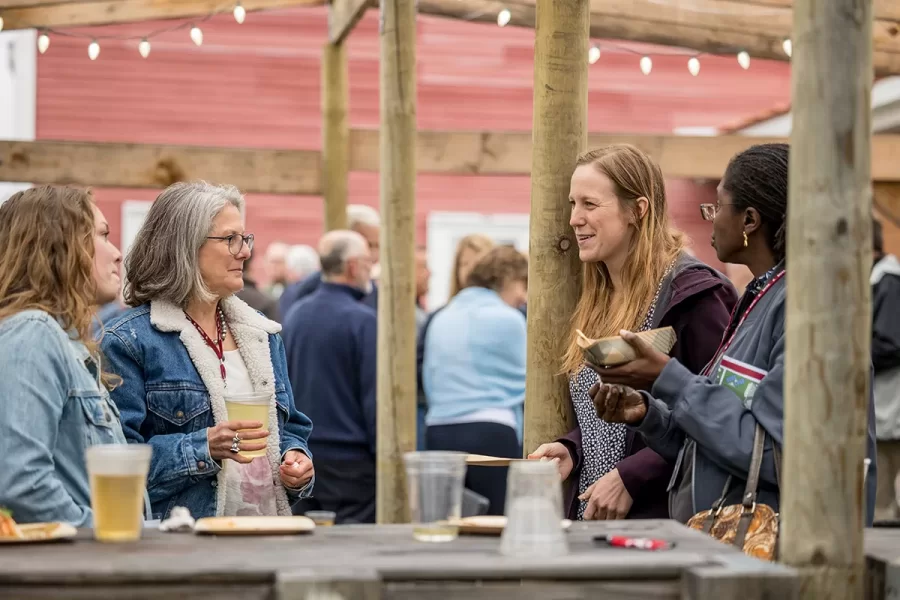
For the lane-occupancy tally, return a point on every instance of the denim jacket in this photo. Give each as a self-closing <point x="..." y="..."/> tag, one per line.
<point x="53" y="407"/>
<point x="172" y="392"/>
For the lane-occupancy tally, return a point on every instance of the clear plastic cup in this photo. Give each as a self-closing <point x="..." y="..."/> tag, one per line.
<point x="322" y="518"/>
<point x="435" y="481"/>
<point x="534" y="511"/>
<point x="249" y="407"/>
<point x="118" y="474"/>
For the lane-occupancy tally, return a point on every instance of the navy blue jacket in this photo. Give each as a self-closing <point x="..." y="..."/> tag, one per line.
<point x="303" y="288"/>
<point x="331" y="341"/>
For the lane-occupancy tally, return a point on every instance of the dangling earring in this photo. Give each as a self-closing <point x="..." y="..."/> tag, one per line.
<point x="746" y="241"/>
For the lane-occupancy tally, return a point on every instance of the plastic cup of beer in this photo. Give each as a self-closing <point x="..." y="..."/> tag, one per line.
<point x="249" y="407"/>
<point x="118" y="474"/>
<point x="435" y="481"/>
<point x="322" y="518"/>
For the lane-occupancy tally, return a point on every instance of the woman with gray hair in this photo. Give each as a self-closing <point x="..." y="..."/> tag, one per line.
<point x="189" y="349"/>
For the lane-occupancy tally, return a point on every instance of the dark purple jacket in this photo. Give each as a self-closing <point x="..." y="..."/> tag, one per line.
<point x="696" y="301"/>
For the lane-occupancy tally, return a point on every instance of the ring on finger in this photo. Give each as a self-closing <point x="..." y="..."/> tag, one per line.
<point x="235" y="444"/>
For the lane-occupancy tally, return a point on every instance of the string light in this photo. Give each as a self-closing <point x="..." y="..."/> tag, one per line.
<point x="694" y="66"/>
<point x="43" y="42"/>
<point x="788" y="47"/>
<point x="144" y="47"/>
<point x="743" y="60"/>
<point x="94" y="50"/>
<point x="1" y="23"/>
<point x="196" y="35"/>
<point x="503" y="17"/>
<point x="646" y="65"/>
<point x="239" y="13"/>
<point x="594" y="54"/>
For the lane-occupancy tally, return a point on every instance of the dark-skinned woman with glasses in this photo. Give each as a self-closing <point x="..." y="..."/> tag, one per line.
<point x="189" y="351"/>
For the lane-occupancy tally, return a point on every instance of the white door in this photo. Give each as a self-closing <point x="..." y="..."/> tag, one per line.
<point x="445" y="229"/>
<point x="18" y="93"/>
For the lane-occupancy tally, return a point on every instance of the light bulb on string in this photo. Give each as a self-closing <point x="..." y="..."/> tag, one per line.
<point x="196" y="35"/>
<point x="743" y="59"/>
<point x="593" y="54"/>
<point x="240" y="13"/>
<point x="144" y="47"/>
<point x="43" y="42"/>
<point x="503" y="17"/>
<point x="93" y="50"/>
<point x="646" y="65"/>
<point x="1" y="23"/>
<point x="694" y="66"/>
<point x="788" y="47"/>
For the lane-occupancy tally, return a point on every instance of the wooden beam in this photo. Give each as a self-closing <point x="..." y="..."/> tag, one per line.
<point x="396" y="292"/>
<point x="671" y="25"/>
<point x="509" y="153"/>
<point x="883" y="9"/>
<point x="554" y="270"/>
<point x="298" y="171"/>
<point x="335" y="134"/>
<point x="157" y="166"/>
<point x="828" y="328"/>
<point x="343" y="15"/>
<point x="107" y="12"/>
<point x="5" y="4"/>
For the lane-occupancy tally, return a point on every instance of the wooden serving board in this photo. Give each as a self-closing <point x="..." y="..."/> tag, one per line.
<point x="42" y="532"/>
<point x="480" y="460"/>
<point x="254" y="525"/>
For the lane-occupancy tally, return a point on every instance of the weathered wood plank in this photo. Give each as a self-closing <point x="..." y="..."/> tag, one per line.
<point x="343" y="15"/>
<point x="883" y="9"/>
<point x="107" y="12"/>
<point x="396" y="297"/>
<point x="667" y="24"/>
<point x="828" y="328"/>
<point x="536" y="590"/>
<point x="560" y="135"/>
<point x="335" y="134"/>
<point x="348" y="583"/>
<point x="145" y="591"/>
<point x="717" y="583"/>
<point x="157" y="166"/>
<point x="510" y="153"/>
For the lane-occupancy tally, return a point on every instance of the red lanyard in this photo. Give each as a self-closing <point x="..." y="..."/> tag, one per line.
<point x="723" y="347"/>
<point x="220" y="337"/>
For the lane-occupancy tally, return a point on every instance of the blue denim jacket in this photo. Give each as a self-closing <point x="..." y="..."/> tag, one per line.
<point x="173" y="391"/>
<point x="53" y="407"/>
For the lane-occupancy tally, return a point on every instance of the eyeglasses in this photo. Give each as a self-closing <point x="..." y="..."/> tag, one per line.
<point x="236" y="242"/>
<point x="708" y="211"/>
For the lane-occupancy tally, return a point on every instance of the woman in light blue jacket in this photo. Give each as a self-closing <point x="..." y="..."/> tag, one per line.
<point x="474" y="370"/>
<point x="57" y="266"/>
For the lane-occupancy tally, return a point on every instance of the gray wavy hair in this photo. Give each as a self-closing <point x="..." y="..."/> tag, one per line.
<point x="162" y="263"/>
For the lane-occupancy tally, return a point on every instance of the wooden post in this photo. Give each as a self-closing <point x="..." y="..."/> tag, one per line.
<point x="829" y="257"/>
<point x="554" y="271"/>
<point x="335" y="135"/>
<point x="396" y="297"/>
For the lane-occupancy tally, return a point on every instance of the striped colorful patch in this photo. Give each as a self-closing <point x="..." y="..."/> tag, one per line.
<point x="739" y="377"/>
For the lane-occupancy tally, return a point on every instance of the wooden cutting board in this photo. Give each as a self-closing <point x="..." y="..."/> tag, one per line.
<point x="480" y="460"/>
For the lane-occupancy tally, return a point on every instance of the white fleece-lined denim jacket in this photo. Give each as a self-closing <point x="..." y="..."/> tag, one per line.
<point x="172" y="392"/>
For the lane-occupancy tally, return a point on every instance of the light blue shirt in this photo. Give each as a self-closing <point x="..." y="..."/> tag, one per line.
<point x="53" y="408"/>
<point x="475" y="358"/>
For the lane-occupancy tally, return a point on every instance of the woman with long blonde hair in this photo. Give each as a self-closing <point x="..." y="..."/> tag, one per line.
<point x="57" y="266"/>
<point x="637" y="276"/>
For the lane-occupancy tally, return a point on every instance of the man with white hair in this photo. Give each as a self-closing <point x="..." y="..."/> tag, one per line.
<point x="301" y="262"/>
<point x="365" y="221"/>
<point x="275" y="256"/>
<point x="331" y="339"/>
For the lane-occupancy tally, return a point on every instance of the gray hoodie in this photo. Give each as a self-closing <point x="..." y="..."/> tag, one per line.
<point x="706" y="424"/>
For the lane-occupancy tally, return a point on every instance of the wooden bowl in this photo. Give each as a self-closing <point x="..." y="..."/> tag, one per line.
<point x="613" y="351"/>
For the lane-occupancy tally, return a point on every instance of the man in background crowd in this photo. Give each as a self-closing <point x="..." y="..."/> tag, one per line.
<point x="885" y="280"/>
<point x="331" y="339"/>
<point x="365" y="221"/>
<point x="255" y="297"/>
<point x="275" y="257"/>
